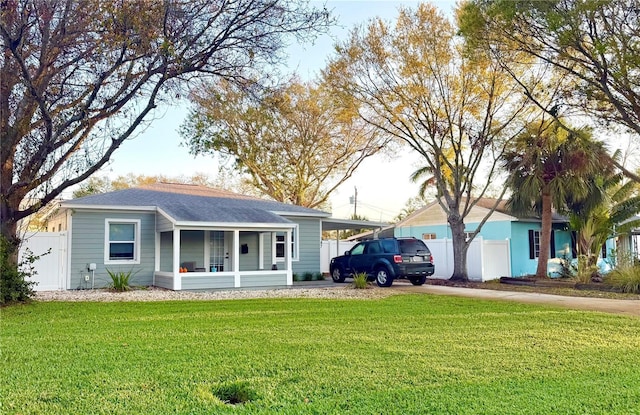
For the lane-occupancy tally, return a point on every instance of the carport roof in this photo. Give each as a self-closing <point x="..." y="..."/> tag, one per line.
<point x="333" y="224"/>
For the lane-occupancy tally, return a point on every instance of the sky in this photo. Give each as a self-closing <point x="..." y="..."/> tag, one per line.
<point x="383" y="184"/>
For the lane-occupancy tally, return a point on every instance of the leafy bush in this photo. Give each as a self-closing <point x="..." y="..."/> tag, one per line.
<point x="120" y="280"/>
<point x="296" y="277"/>
<point x="585" y="270"/>
<point x="319" y="276"/>
<point x="360" y="280"/>
<point x="627" y="278"/>
<point x="14" y="286"/>
<point x="307" y="276"/>
<point x="567" y="268"/>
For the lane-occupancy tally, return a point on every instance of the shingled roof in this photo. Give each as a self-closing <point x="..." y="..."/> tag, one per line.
<point x="196" y="203"/>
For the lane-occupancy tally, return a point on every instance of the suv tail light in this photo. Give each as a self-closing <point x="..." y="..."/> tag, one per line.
<point x="397" y="259"/>
<point x="431" y="258"/>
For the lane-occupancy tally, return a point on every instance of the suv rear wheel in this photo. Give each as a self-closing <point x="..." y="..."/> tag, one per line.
<point x="337" y="275"/>
<point x="418" y="280"/>
<point x="383" y="279"/>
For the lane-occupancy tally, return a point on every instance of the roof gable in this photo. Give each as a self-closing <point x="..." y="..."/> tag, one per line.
<point x="433" y="214"/>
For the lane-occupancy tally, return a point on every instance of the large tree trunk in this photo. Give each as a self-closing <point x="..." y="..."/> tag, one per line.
<point x="460" y="247"/>
<point x="545" y="235"/>
<point x="9" y="233"/>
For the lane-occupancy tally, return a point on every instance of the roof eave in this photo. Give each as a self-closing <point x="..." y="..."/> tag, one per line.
<point x="108" y="207"/>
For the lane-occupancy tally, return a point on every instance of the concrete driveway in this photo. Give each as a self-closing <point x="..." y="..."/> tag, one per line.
<point x="606" y="305"/>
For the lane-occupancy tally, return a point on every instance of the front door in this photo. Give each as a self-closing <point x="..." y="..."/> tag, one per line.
<point x="218" y="252"/>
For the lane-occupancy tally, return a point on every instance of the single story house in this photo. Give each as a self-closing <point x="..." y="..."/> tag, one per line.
<point x="523" y="233"/>
<point x="182" y="236"/>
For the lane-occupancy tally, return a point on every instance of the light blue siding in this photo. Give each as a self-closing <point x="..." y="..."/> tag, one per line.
<point x="88" y="246"/>
<point x="249" y="261"/>
<point x="309" y="240"/>
<point x="166" y="251"/>
<point x="201" y="283"/>
<point x="263" y="280"/>
<point x="192" y="247"/>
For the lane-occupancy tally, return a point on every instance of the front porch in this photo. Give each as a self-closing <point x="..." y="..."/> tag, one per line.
<point x="188" y="258"/>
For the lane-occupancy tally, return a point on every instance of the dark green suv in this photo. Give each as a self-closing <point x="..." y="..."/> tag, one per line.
<point x="385" y="260"/>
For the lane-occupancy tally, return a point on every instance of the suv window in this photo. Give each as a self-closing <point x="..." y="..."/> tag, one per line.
<point x="389" y="246"/>
<point x="374" y="248"/>
<point x="412" y="246"/>
<point x="358" y="249"/>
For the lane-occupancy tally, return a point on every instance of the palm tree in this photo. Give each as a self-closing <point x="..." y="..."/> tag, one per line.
<point x="607" y="210"/>
<point x="547" y="163"/>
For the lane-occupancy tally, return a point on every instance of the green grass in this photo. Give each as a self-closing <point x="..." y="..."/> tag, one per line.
<point x="406" y="354"/>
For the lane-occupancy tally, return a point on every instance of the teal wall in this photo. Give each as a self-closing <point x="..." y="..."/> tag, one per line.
<point x="516" y="232"/>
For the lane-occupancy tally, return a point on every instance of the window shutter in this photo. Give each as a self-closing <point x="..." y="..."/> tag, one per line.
<point x="552" y="244"/>
<point x="574" y="249"/>
<point x="604" y="250"/>
<point x="532" y="245"/>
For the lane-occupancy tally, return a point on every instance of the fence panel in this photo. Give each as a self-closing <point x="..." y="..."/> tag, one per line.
<point x="497" y="260"/>
<point x="50" y="268"/>
<point x="486" y="260"/>
<point x="330" y="249"/>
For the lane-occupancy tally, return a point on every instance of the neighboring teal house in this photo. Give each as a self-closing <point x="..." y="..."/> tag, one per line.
<point x="523" y="234"/>
<point x="179" y="237"/>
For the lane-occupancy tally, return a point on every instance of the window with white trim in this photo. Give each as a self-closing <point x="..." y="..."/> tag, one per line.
<point x="122" y="241"/>
<point x="280" y="238"/>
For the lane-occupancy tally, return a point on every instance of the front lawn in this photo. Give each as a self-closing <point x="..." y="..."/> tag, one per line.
<point x="406" y="354"/>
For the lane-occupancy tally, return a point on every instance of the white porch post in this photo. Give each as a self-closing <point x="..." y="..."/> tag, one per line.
<point x="288" y="257"/>
<point x="207" y="251"/>
<point x="177" y="276"/>
<point x="273" y="249"/>
<point x="236" y="258"/>
<point x="261" y="251"/>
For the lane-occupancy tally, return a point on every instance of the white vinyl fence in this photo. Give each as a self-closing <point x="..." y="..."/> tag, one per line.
<point x="486" y="260"/>
<point x="330" y="249"/>
<point x="50" y="268"/>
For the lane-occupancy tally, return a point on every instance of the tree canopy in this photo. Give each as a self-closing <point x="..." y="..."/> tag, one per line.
<point x="419" y="82"/>
<point x="79" y="77"/>
<point x="297" y="142"/>
<point x="593" y="46"/>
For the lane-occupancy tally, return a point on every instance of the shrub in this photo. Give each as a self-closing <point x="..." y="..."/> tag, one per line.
<point x="567" y="268"/>
<point x="120" y="280"/>
<point x="14" y="286"/>
<point x="307" y="276"/>
<point x="360" y="280"/>
<point x="296" y="277"/>
<point x="626" y="278"/>
<point x="319" y="276"/>
<point x="585" y="270"/>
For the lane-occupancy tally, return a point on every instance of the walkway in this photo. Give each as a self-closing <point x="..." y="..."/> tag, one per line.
<point x="606" y="305"/>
